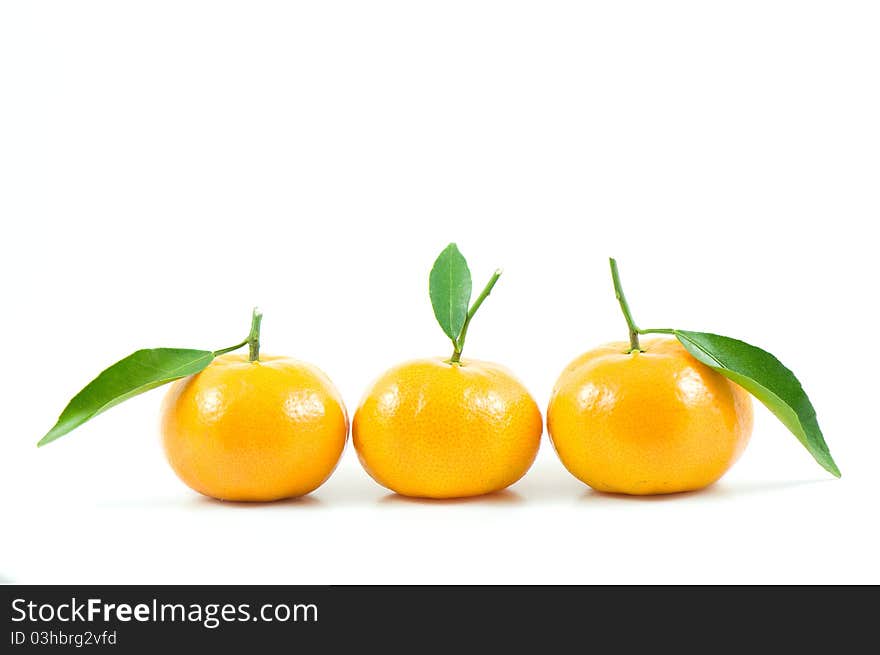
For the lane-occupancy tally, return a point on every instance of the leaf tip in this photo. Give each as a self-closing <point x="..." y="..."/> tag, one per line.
<point x="451" y="247"/>
<point x="831" y="467"/>
<point x="451" y="251"/>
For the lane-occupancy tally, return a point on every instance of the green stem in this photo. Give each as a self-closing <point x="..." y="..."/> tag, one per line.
<point x="223" y="351"/>
<point x="253" y="339"/>
<point x="657" y="331"/>
<point x="459" y="343"/>
<point x="624" y="306"/>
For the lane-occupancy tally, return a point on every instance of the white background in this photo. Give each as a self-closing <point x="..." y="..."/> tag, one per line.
<point x="164" y="166"/>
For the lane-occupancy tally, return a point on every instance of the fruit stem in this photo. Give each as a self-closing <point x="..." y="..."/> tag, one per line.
<point x="624" y="306"/>
<point x="253" y="340"/>
<point x="223" y="351"/>
<point x="459" y="343"/>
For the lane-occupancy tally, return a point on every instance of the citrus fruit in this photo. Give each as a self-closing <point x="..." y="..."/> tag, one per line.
<point x="647" y="421"/>
<point x="254" y="430"/>
<point x="435" y="429"/>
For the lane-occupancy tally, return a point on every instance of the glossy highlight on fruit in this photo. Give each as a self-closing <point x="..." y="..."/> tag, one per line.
<point x="434" y="429"/>
<point x="650" y="422"/>
<point x="254" y="430"/>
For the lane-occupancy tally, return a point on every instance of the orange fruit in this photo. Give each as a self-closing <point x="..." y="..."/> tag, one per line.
<point x="254" y="431"/>
<point x="433" y="429"/>
<point x="647" y="422"/>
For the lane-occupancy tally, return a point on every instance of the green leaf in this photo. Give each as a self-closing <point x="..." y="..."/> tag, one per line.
<point x="139" y="372"/>
<point x="766" y="378"/>
<point x="450" y="288"/>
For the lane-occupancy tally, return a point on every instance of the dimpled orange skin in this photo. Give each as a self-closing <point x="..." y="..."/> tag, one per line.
<point x="431" y="429"/>
<point x="254" y="431"/>
<point x="644" y="423"/>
